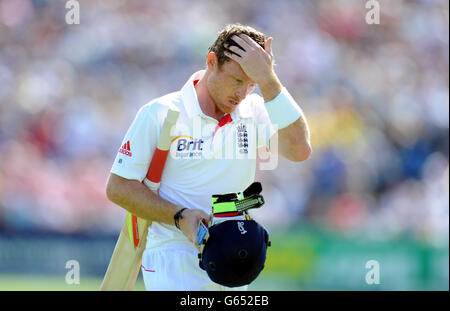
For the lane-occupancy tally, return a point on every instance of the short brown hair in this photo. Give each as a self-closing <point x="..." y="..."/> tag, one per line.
<point x="224" y="38"/>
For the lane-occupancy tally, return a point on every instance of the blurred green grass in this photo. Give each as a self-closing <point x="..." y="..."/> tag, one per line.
<point x="11" y="282"/>
<point x="299" y="259"/>
<point x="52" y="283"/>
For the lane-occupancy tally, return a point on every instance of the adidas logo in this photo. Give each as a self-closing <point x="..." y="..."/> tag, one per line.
<point x="125" y="149"/>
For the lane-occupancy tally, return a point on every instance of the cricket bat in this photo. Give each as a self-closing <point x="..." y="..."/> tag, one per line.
<point x="125" y="262"/>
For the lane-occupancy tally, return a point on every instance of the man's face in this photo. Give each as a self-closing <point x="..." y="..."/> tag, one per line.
<point x="228" y="85"/>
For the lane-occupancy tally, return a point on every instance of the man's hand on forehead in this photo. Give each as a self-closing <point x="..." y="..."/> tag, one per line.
<point x="255" y="61"/>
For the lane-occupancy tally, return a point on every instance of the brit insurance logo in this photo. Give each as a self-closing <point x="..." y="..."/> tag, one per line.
<point x="187" y="147"/>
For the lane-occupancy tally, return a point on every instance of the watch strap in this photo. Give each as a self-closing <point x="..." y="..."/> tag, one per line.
<point x="178" y="215"/>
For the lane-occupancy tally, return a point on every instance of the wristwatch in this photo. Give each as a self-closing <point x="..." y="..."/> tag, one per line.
<point x="178" y="215"/>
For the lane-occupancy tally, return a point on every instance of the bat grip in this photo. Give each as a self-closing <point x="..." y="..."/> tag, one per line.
<point x="153" y="186"/>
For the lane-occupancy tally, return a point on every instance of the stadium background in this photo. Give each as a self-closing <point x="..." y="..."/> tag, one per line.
<point x="376" y="98"/>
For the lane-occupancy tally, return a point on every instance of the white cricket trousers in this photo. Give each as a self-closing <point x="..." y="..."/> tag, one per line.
<point x="177" y="269"/>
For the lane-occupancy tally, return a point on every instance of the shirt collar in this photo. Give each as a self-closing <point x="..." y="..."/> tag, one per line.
<point x="189" y="95"/>
<point x="192" y="105"/>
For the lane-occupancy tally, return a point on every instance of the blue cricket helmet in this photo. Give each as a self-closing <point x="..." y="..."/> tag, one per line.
<point x="235" y="252"/>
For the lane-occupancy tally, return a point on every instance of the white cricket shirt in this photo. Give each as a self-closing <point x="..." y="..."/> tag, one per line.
<point x="204" y="158"/>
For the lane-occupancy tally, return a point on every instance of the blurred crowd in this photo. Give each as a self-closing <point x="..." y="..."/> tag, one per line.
<point x="376" y="98"/>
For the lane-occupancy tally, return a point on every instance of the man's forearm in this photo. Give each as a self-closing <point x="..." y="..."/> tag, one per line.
<point x="136" y="198"/>
<point x="294" y="141"/>
<point x="294" y="138"/>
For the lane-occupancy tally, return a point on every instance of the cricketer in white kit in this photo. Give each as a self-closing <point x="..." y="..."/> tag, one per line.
<point x="213" y="151"/>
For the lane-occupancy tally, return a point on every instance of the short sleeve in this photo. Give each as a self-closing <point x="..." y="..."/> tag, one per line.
<point x="137" y="147"/>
